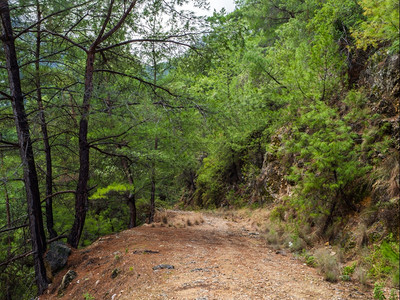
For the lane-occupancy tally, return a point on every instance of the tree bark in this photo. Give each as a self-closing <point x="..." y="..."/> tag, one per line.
<point x="81" y="196"/>
<point x="43" y="125"/>
<point x="38" y="238"/>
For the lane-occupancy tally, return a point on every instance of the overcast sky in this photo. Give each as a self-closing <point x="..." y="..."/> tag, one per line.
<point x="229" y="6"/>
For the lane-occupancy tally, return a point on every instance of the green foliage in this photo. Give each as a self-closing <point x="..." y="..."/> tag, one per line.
<point x="296" y="243"/>
<point x="310" y="261"/>
<point x="378" y="291"/>
<point x="88" y="296"/>
<point x="210" y="183"/>
<point x="381" y="24"/>
<point x="393" y="295"/>
<point x="384" y="260"/>
<point x="114" y="187"/>
<point x="348" y="271"/>
<point x="325" y="145"/>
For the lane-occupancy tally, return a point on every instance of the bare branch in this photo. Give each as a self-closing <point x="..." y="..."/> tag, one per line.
<point x="166" y="40"/>
<point x="58" y="193"/>
<point x="119" y="24"/>
<point x="53" y="88"/>
<point x="14" y="228"/>
<point x="62" y="236"/>
<point x="7" y="96"/>
<point x="67" y="39"/>
<point x="11" y="144"/>
<point x="154" y="86"/>
<point x="77" y="23"/>
<point x="31" y="252"/>
<point x="16" y="258"/>
<point x="111" y="136"/>
<point x="111" y="154"/>
<point x="46" y="56"/>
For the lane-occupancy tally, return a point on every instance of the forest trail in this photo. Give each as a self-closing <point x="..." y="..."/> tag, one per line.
<point x="213" y="258"/>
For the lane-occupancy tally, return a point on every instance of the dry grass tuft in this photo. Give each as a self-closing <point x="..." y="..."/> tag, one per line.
<point x="328" y="264"/>
<point x="361" y="275"/>
<point x="169" y="218"/>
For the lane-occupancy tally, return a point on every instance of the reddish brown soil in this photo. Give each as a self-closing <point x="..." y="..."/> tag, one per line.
<point x="218" y="259"/>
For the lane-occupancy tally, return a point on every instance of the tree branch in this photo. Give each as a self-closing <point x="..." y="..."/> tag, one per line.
<point x="154" y="86"/>
<point x="58" y="193"/>
<point x="49" y="16"/>
<point x="103" y="28"/>
<point x="46" y="56"/>
<point x="7" y="96"/>
<point x="15" y="145"/>
<point x="52" y="88"/>
<point x="119" y="24"/>
<point x="14" y="228"/>
<point x="110" y="137"/>
<point x="67" y="39"/>
<point x="167" y="40"/>
<point x="30" y="252"/>
<point x="16" y="258"/>
<point x="111" y="154"/>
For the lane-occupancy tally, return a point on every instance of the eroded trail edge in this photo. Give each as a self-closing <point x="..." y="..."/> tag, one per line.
<point x="212" y="258"/>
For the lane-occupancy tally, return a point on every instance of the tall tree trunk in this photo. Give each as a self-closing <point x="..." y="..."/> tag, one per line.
<point x="131" y="196"/>
<point x="153" y="186"/>
<point x="43" y="125"/>
<point x="132" y="210"/>
<point x="38" y="238"/>
<point x="81" y="197"/>
<point x="8" y="284"/>
<point x="153" y="167"/>
<point x="8" y="215"/>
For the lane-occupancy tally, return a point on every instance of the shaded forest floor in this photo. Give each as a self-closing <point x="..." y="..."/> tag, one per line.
<point x="213" y="258"/>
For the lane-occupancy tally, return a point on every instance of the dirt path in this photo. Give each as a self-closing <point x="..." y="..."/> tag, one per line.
<point x="218" y="259"/>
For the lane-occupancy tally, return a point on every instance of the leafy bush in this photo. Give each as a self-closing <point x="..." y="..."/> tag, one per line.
<point x="381" y="24"/>
<point x="348" y="271"/>
<point x="384" y="260"/>
<point x="309" y="259"/>
<point x="331" y="161"/>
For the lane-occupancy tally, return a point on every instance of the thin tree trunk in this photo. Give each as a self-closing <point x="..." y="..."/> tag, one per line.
<point x="153" y="167"/>
<point x="38" y="238"/>
<point x="132" y="210"/>
<point x="131" y="196"/>
<point x="43" y="125"/>
<point x="8" y="215"/>
<point x="153" y="187"/>
<point x="81" y="197"/>
<point x="8" y="285"/>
